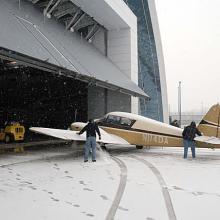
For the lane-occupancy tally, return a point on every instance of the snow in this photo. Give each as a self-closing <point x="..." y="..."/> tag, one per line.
<point x="55" y="183"/>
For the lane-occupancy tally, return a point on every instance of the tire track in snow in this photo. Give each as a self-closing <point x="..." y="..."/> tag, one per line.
<point x="120" y="191"/>
<point x="166" y="195"/>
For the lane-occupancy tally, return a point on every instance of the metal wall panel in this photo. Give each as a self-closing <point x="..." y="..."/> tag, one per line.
<point x="25" y="30"/>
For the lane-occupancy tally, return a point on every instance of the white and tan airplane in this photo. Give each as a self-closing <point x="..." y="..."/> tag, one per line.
<point x="123" y="128"/>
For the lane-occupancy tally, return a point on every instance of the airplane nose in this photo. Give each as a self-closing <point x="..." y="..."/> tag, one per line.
<point x="77" y="126"/>
<point x="74" y="127"/>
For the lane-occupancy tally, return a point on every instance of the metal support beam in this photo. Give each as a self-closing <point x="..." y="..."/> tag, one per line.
<point x="80" y="18"/>
<point x="60" y="14"/>
<point x="93" y="34"/>
<point x="54" y="6"/>
<point x="48" y="5"/>
<point x="91" y="31"/>
<point x="73" y="19"/>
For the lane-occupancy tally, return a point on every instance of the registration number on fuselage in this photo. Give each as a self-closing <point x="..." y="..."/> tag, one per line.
<point x="158" y="139"/>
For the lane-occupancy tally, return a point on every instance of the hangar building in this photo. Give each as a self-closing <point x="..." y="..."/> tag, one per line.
<point x="151" y="70"/>
<point x="67" y="60"/>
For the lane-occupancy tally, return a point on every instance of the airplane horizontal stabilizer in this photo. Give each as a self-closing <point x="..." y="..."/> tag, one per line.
<point x="106" y="138"/>
<point x="208" y="139"/>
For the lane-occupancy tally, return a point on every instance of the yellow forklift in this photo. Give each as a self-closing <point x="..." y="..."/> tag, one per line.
<point x="13" y="131"/>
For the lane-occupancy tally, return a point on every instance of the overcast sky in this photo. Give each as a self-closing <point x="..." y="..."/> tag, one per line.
<point x="190" y="32"/>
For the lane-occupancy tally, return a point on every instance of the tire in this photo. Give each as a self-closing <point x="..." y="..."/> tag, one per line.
<point x="139" y="147"/>
<point x="103" y="147"/>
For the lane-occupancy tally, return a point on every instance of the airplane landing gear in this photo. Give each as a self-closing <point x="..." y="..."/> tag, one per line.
<point x="103" y="147"/>
<point x="139" y="146"/>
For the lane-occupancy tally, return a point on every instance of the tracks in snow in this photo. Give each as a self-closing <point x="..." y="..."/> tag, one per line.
<point x="122" y="182"/>
<point x="166" y="195"/>
<point x="120" y="191"/>
<point x="122" y="185"/>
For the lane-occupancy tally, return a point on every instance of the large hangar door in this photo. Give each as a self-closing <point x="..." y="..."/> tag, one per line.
<point x="39" y="98"/>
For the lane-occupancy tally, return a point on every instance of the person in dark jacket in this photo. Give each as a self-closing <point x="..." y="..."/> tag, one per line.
<point x="91" y="128"/>
<point x="189" y="133"/>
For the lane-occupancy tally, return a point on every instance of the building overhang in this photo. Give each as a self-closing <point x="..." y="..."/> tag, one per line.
<point x="28" y="38"/>
<point x="112" y="14"/>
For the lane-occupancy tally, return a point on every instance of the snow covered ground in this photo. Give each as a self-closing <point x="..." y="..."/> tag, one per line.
<point x="123" y="184"/>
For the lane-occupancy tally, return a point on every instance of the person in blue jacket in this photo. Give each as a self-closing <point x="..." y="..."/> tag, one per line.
<point x="91" y="129"/>
<point x="189" y="133"/>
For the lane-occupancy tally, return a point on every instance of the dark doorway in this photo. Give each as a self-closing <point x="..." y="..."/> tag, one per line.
<point x="39" y="98"/>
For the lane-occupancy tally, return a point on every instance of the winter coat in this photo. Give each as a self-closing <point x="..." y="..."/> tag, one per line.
<point x="189" y="133"/>
<point x="91" y="128"/>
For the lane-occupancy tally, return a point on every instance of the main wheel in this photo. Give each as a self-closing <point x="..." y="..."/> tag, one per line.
<point x="103" y="147"/>
<point x="139" y="146"/>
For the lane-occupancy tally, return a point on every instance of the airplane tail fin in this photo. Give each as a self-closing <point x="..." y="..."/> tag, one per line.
<point x="209" y="125"/>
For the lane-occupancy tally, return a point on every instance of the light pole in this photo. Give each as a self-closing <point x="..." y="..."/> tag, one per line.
<point x="179" y="103"/>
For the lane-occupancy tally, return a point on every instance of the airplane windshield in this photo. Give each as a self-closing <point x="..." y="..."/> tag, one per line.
<point x="117" y="120"/>
<point x="100" y="120"/>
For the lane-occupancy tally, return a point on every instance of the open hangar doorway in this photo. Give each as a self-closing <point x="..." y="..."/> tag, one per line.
<point x="35" y="97"/>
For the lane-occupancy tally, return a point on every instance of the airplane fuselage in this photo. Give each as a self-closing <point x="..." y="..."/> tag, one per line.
<point x="140" y="131"/>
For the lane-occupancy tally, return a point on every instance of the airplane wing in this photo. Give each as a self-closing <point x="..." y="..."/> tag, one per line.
<point x="106" y="138"/>
<point x="208" y="139"/>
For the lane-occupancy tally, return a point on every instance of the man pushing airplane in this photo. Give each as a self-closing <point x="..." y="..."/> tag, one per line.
<point x="91" y="128"/>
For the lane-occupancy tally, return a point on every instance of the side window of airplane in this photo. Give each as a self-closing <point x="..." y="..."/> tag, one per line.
<point x="126" y="122"/>
<point x="112" y="119"/>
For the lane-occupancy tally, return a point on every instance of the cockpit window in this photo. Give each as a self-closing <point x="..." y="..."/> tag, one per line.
<point x="100" y="120"/>
<point x="120" y="121"/>
<point x="112" y="119"/>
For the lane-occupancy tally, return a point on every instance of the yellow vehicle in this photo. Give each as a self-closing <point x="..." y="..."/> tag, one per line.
<point x="12" y="132"/>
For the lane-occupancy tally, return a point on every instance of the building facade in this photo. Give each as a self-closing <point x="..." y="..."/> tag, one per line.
<point x="73" y="60"/>
<point x="151" y="75"/>
<point x="91" y="46"/>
